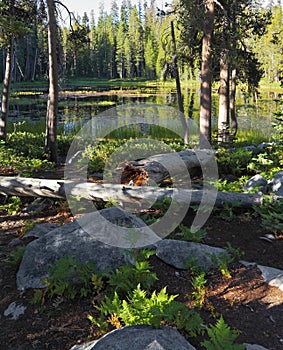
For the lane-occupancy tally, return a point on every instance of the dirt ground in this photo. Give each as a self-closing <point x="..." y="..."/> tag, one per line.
<point x="244" y="300"/>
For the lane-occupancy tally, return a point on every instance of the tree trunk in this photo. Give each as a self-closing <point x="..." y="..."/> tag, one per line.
<point x="206" y="77"/>
<point x="224" y="106"/>
<point x="234" y="122"/>
<point x="52" y="104"/>
<point x="223" y="116"/>
<point x="233" y="54"/>
<point x="27" y="74"/>
<point x="6" y="90"/>
<point x="178" y="85"/>
<point x="34" y="65"/>
<point x="31" y="187"/>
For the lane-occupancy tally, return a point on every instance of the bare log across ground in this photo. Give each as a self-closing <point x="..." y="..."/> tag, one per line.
<point x="122" y="194"/>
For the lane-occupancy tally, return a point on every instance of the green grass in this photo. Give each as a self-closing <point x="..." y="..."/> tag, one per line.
<point x="271" y="87"/>
<point x="90" y="83"/>
<point x="25" y="148"/>
<point x="249" y="137"/>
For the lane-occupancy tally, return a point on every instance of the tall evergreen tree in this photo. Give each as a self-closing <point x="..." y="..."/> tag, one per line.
<point x="236" y="22"/>
<point x="102" y="45"/>
<point x="77" y="48"/>
<point x="164" y="63"/>
<point x="135" y="48"/>
<point x="150" y="41"/>
<point x="42" y="41"/>
<point x="268" y="48"/>
<point x="92" y="44"/>
<point x="13" y="24"/>
<point x="120" y="42"/>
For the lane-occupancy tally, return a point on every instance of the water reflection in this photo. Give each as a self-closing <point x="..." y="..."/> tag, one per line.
<point x="75" y="110"/>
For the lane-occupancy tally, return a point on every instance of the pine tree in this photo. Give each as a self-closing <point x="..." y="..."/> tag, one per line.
<point x="120" y="44"/>
<point x="150" y="57"/>
<point x="150" y="40"/>
<point x="135" y="49"/>
<point x="13" y="24"/>
<point x="269" y="47"/>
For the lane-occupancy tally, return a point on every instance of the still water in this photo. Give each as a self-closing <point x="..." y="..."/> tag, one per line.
<point x="77" y="108"/>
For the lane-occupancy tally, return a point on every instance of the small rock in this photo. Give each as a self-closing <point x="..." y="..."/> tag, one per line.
<point x="277" y="184"/>
<point x="256" y="181"/>
<point x="271" y="275"/>
<point x="254" y="347"/>
<point x="264" y="145"/>
<point x="249" y="148"/>
<point x="268" y="238"/>
<point x="14" y="311"/>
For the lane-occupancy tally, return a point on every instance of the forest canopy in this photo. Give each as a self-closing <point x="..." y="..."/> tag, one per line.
<point x="134" y="41"/>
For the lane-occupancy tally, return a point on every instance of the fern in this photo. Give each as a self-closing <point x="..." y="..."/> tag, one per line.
<point x="222" y="337"/>
<point x="143" y="254"/>
<point x="199" y="292"/>
<point x="180" y="316"/>
<point x="138" y="308"/>
<point x="16" y="257"/>
<point x="68" y="278"/>
<point x="126" y="278"/>
<point x="156" y="309"/>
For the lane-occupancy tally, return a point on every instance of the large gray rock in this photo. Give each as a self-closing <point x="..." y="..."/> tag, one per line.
<point x="177" y="253"/>
<point x="277" y="184"/>
<point x="80" y="240"/>
<point x="257" y="181"/>
<point x="140" y="337"/>
<point x="40" y="230"/>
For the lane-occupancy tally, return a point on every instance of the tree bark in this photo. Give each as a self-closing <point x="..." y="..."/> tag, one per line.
<point x="233" y="54"/>
<point x="206" y="76"/>
<point x="30" y="187"/>
<point x="234" y="122"/>
<point x="52" y="104"/>
<point x="223" y="115"/>
<point x="224" y="95"/>
<point x="6" y="90"/>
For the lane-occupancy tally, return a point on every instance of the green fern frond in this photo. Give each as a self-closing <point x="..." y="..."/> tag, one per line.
<point x="222" y="337"/>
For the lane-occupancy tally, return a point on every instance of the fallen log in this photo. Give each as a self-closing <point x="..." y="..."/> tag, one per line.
<point x="34" y="187"/>
<point x="178" y="163"/>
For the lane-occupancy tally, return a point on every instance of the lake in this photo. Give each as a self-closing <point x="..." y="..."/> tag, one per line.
<point x="77" y="107"/>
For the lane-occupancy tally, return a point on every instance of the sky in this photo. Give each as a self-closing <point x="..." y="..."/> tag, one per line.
<point x="81" y="6"/>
